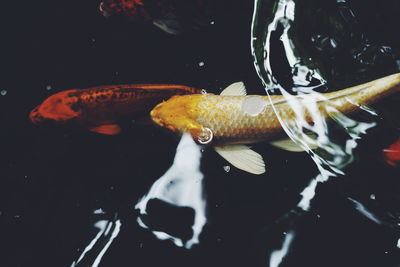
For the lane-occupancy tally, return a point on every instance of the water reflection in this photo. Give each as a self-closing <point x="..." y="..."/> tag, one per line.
<point x="181" y="186"/>
<point x="95" y="250"/>
<point x="274" y="36"/>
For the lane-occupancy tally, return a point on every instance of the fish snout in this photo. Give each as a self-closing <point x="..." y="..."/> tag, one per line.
<point x="35" y="116"/>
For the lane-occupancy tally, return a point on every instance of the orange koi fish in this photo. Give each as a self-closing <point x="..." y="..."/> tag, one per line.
<point x="392" y="154"/>
<point x="100" y="108"/>
<point x="233" y="118"/>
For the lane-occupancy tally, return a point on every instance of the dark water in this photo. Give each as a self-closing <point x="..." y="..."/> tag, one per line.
<point x="54" y="179"/>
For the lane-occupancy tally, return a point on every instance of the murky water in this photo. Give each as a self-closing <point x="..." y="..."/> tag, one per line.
<point x="69" y="197"/>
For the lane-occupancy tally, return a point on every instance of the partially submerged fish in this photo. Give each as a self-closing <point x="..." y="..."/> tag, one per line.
<point x="392" y="154"/>
<point x="173" y="17"/>
<point x="100" y="108"/>
<point x="232" y="119"/>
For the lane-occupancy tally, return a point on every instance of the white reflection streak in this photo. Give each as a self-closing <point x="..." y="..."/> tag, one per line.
<point x="105" y="227"/>
<point x="330" y="158"/>
<point x="363" y="210"/>
<point x="278" y="255"/>
<point x="182" y="186"/>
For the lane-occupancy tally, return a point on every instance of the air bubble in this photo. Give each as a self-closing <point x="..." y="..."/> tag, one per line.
<point x="227" y="168"/>
<point x="48" y="87"/>
<point x="3" y="92"/>
<point x="372" y="196"/>
<point x="201" y="64"/>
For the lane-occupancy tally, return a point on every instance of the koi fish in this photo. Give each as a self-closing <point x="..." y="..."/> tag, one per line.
<point x="100" y="108"/>
<point x="130" y="8"/>
<point x="392" y="154"/>
<point x="233" y="119"/>
<point x="173" y="17"/>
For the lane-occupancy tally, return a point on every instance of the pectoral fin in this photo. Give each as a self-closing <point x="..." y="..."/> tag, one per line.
<point x="235" y="89"/>
<point x="109" y="129"/>
<point x="242" y="157"/>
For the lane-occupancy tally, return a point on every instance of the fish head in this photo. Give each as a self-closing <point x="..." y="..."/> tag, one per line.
<point x="178" y="116"/>
<point x="60" y="107"/>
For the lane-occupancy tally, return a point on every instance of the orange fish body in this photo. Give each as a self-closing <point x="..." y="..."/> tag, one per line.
<point x="100" y="108"/>
<point x="392" y="154"/>
<point x="230" y="119"/>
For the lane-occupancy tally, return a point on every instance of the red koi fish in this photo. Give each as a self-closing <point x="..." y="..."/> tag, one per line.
<point x="171" y="16"/>
<point x="392" y="154"/>
<point x="100" y="108"/>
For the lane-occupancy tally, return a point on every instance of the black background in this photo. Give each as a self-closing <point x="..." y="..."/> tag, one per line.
<point x="52" y="179"/>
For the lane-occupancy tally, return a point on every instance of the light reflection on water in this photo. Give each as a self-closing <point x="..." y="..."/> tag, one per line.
<point x="331" y="157"/>
<point x="182" y="186"/>
<point x="108" y="231"/>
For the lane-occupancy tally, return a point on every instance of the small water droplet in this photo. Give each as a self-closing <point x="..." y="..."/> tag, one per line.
<point x="3" y="92"/>
<point x="372" y="196"/>
<point x="201" y="64"/>
<point x="48" y="87"/>
<point x="227" y="168"/>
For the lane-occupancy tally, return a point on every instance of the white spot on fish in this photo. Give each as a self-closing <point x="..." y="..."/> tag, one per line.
<point x="253" y="105"/>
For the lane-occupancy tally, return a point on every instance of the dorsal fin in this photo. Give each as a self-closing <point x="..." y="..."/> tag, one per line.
<point x="235" y="89"/>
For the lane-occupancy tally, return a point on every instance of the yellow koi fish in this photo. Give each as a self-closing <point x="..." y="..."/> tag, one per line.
<point x="233" y="119"/>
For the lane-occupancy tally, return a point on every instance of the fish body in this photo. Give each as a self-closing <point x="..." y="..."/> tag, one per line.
<point x="392" y="154"/>
<point x="245" y="119"/>
<point x="100" y="108"/>
<point x="231" y="121"/>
